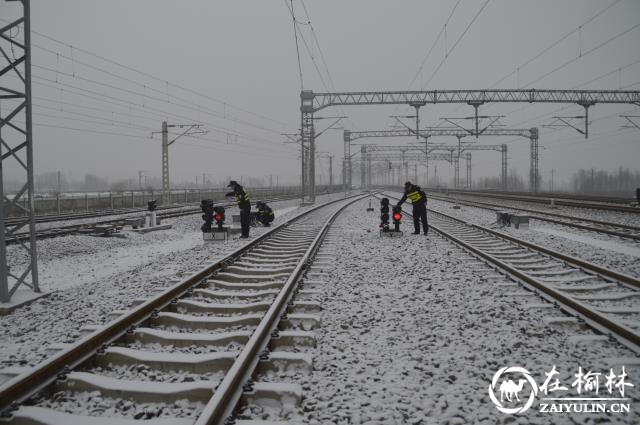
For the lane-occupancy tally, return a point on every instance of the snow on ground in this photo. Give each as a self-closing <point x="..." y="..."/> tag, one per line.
<point x="413" y="331"/>
<point x="93" y="276"/>
<point x="605" y="250"/>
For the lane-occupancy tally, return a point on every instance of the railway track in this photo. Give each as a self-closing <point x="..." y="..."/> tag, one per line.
<point x="196" y="352"/>
<point x="579" y="203"/>
<point x="606" y="300"/>
<point x="598" y="226"/>
<point x="118" y="223"/>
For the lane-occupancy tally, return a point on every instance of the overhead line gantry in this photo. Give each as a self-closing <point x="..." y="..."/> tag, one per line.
<point x="311" y="103"/>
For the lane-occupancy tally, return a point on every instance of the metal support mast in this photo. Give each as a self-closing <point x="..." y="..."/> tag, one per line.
<point x="456" y="175"/>
<point x="16" y="151"/>
<point x="368" y="171"/>
<point x="363" y="170"/>
<point x="467" y="157"/>
<point x="166" y="186"/>
<point x="347" y="157"/>
<point x="307" y="140"/>
<point x="534" y="178"/>
<point x="503" y="174"/>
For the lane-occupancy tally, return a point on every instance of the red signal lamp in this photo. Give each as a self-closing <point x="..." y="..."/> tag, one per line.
<point x="397" y="216"/>
<point x="218" y="217"/>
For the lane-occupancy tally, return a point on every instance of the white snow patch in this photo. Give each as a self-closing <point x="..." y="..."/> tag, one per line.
<point x="599" y="243"/>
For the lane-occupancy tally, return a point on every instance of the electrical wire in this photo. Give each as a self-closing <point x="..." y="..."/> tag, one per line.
<point x="593" y="49"/>
<point x="433" y="45"/>
<point x="102" y="96"/>
<point x="456" y="43"/>
<point x="153" y="77"/>
<point x="295" y="35"/>
<point x="555" y="43"/>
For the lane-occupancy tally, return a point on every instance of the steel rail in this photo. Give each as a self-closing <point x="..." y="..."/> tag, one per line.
<point x="552" y="195"/>
<point x="626" y="335"/>
<point x="479" y="204"/>
<point x="228" y="393"/>
<point x="25" y="385"/>
<point x="545" y="200"/>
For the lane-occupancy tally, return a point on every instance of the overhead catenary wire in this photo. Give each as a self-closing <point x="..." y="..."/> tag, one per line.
<point x="156" y="78"/>
<point x="555" y="43"/>
<point x="444" y="59"/>
<point x="161" y="113"/>
<point x="189" y="105"/>
<point x="295" y="35"/>
<point x="583" y="54"/>
<point x="550" y="47"/>
<point x="134" y="136"/>
<point x="433" y="45"/>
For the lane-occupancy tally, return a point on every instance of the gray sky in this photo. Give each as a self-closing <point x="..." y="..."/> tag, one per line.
<point x="243" y="52"/>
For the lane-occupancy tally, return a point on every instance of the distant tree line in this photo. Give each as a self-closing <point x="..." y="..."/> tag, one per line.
<point x="601" y="182"/>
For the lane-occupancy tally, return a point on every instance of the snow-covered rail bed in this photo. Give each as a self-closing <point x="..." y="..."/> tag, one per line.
<point x="606" y="298"/>
<point x="620" y="217"/>
<point x="101" y="276"/>
<point x="144" y="365"/>
<point x="605" y="250"/>
<point x="414" y="328"/>
<point x="610" y="228"/>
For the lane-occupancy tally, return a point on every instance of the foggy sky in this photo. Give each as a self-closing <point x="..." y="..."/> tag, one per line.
<point x="243" y="52"/>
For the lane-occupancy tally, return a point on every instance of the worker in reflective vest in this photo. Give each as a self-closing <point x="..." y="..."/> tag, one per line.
<point x="265" y="214"/>
<point x="242" y="198"/>
<point x="419" y="201"/>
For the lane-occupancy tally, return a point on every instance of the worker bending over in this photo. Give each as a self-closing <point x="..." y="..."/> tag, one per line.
<point x="419" y="201"/>
<point x="242" y="198"/>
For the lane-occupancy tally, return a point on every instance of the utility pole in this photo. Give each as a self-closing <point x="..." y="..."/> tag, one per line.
<point x="191" y="129"/>
<point x="330" y="170"/>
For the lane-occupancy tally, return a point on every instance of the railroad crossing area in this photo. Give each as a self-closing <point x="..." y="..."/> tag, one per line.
<point x="321" y="319"/>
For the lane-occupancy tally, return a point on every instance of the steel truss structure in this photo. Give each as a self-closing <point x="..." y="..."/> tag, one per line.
<point x="16" y="152"/>
<point x="426" y="133"/>
<point x="311" y="103"/>
<point x="402" y="167"/>
<point x="392" y="154"/>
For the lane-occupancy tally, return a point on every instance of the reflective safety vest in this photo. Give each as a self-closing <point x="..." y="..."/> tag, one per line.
<point x="414" y="196"/>
<point x="242" y="197"/>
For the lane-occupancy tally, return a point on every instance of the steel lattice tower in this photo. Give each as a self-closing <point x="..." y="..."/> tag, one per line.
<point x="16" y="155"/>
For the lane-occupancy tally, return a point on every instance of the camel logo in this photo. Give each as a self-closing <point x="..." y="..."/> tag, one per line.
<point x="509" y="389"/>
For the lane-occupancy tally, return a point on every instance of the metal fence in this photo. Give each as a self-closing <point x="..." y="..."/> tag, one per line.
<point x="54" y="203"/>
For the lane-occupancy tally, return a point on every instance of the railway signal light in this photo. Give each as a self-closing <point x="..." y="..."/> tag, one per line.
<point x="152" y="205"/>
<point x="219" y="216"/>
<point x="384" y="214"/>
<point x="397" y="216"/>
<point x="207" y="208"/>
